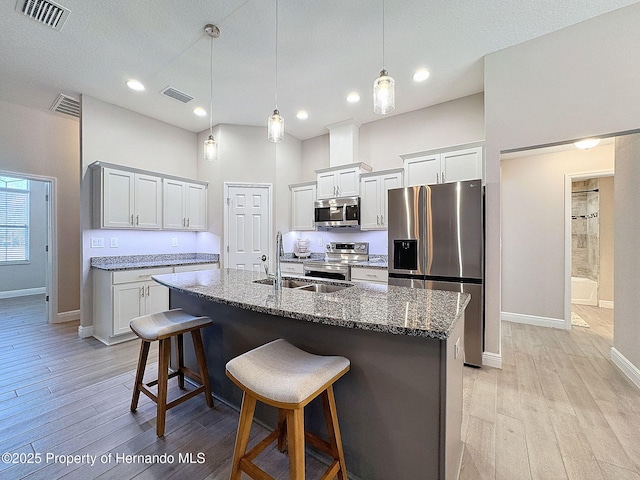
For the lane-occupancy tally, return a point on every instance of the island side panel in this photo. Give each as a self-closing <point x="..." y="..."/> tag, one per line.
<point x="389" y="403"/>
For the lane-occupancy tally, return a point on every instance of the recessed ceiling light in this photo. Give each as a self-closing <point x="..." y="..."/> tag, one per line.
<point x="353" y="97"/>
<point x="421" y="75"/>
<point x="302" y="115"/>
<point x="587" y="143"/>
<point x="199" y="111"/>
<point x="135" y="85"/>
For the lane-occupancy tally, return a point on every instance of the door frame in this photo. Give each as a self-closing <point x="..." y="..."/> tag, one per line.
<point x="568" y="179"/>
<point x="51" y="287"/>
<point x="226" y="205"/>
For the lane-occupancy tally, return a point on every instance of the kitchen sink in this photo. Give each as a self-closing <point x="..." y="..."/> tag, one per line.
<point x="306" y="286"/>
<point x="323" y="287"/>
<point x="286" y="282"/>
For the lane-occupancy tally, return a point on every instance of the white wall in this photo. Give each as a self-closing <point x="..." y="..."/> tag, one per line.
<point x="33" y="274"/>
<point x="577" y="82"/>
<point x="115" y="135"/>
<point x="246" y="156"/>
<point x="43" y="144"/>
<point x="533" y="227"/>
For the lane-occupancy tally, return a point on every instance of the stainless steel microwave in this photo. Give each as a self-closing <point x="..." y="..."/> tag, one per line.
<point x="338" y="212"/>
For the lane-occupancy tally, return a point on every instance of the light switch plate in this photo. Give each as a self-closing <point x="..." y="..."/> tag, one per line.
<point x="97" y="242"/>
<point x="174" y="242"/>
<point x="114" y="242"/>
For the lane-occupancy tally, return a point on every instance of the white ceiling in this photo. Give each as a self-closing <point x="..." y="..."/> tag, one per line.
<point x="325" y="50"/>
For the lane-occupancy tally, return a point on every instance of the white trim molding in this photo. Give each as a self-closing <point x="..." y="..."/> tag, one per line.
<point x="493" y="360"/>
<point x="67" y="316"/>
<point x="606" y="304"/>
<point x="85" y="332"/>
<point x="628" y="368"/>
<point x="533" y="320"/>
<point x="25" y="292"/>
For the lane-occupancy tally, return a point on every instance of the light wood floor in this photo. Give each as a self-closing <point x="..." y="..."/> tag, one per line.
<point x="558" y="408"/>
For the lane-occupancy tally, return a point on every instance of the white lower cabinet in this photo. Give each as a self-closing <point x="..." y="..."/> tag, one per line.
<point x="120" y="296"/>
<point x="294" y="268"/>
<point x="369" y="275"/>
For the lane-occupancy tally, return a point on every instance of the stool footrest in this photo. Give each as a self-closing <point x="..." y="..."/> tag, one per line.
<point x="254" y="471"/>
<point x="185" y="397"/>
<point x="264" y="443"/>
<point x="319" y="443"/>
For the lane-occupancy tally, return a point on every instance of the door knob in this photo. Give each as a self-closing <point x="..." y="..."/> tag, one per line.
<point x="263" y="258"/>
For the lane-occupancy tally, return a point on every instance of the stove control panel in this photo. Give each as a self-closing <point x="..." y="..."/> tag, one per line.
<point x="360" y="248"/>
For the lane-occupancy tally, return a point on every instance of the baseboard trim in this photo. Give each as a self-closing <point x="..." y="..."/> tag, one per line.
<point x="25" y="292"/>
<point x="85" y="332"/>
<point x="69" y="316"/>
<point x="533" y="320"/>
<point x="606" y="304"/>
<point x="492" y="360"/>
<point x="628" y="368"/>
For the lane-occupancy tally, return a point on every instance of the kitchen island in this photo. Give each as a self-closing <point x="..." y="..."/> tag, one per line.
<point x="400" y="405"/>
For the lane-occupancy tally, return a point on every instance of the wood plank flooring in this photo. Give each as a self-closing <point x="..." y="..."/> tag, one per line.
<point x="558" y="409"/>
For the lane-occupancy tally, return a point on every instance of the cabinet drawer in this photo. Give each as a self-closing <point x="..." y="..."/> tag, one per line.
<point x="369" y="275"/>
<point x="126" y="276"/>
<point x="295" y="268"/>
<point x="196" y="268"/>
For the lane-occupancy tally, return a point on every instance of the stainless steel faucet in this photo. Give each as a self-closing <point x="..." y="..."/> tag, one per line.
<point x="277" y="279"/>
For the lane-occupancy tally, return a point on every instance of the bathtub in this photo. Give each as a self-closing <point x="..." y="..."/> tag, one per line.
<point x="584" y="291"/>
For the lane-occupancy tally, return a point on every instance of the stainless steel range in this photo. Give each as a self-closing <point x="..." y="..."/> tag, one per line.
<point x="338" y="260"/>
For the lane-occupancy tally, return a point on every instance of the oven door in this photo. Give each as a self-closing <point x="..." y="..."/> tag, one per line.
<point x="335" y="271"/>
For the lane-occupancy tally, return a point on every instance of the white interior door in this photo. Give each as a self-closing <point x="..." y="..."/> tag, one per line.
<point x="249" y="225"/>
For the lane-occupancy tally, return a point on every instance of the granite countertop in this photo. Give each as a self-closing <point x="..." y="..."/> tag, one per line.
<point x="382" y="308"/>
<point x="131" y="262"/>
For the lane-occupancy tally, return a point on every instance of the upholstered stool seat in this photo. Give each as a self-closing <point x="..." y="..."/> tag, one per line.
<point x="281" y="375"/>
<point x="162" y="327"/>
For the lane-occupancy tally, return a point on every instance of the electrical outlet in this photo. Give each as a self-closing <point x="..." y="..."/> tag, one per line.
<point x="97" y="242"/>
<point x="174" y="242"/>
<point x="320" y="242"/>
<point x="114" y="242"/>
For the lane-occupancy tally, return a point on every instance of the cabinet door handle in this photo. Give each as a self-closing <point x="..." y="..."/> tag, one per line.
<point x="184" y="222"/>
<point x="147" y="290"/>
<point x="187" y="222"/>
<point x="437" y="178"/>
<point x="443" y="180"/>
<point x="132" y="219"/>
<point x="378" y="220"/>
<point x="142" y="292"/>
<point x="137" y="219"/>
<point x="381" y="220"/>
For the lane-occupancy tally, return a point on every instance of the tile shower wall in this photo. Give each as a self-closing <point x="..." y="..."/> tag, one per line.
<point x="585" y="228"/>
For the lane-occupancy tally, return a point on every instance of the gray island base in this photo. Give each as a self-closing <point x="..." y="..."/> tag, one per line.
<point x="400" y="405"/>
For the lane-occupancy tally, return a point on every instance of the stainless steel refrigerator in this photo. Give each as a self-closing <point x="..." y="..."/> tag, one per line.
<point x="436" y="241"/>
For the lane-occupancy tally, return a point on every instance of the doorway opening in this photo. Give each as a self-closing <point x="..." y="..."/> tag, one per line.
<point x="27" y="247"/>
<point x="589" y="249"/>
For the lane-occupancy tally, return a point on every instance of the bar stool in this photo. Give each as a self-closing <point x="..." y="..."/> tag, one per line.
<point x="285" y="377"/>
<point x="162" y="326"/>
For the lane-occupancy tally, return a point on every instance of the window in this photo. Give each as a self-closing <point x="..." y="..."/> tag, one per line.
<point x="14" y="220"/>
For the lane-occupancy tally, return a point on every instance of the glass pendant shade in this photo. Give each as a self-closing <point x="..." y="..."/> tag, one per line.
<point x="275" y="128"/>
<point x="384" y="97"/>
<point x="210" y="149"/>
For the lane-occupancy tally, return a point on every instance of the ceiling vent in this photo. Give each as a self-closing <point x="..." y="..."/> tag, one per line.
<point x="44" y="11"/>
<point x="66" y="105"/>
<point x="177" y="95"/>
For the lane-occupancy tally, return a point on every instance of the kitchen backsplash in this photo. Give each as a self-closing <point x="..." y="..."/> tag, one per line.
<point x="318" y="240"/>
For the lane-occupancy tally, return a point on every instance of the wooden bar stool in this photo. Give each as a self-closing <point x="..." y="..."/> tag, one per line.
<point x="162" y="326"/>
<point x="287" y="378"/>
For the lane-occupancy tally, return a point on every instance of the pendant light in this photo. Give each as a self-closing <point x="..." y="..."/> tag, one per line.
<point x="275" y="125"/>
<point x="210" y="145"/>
<point x="384" y="97"/>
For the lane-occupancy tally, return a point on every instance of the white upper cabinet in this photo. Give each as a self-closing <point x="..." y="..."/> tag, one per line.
<point x="134" y="199"/>
<point x="443" y="167"/>
<point x="303" y="196"/>
<point x="127" y="200"/>
<point x="343" y="181"/>
<point x="373" y="201"/>
<point x="185" y="205"/>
